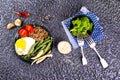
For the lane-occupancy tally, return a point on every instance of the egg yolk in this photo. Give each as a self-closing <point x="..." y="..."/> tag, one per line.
<point x="21" y="43"/>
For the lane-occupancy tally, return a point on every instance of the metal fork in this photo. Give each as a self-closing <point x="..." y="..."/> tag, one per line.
<point x="92" y="44"/>
<point x="80" y="41"/>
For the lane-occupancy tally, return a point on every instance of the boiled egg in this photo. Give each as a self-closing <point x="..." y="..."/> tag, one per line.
<point x="23" y="45"/>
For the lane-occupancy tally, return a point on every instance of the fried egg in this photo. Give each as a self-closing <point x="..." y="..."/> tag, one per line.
<point x="23" y="45"/>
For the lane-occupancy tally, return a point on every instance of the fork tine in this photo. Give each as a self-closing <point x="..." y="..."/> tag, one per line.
<point x="91" y="39"/>
<point x="80" y="38"/>
<point x="88" y="39"/>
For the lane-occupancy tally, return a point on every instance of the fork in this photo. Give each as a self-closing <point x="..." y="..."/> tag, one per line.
<point x="92" y="44"/>
<point x="80" y="41"/>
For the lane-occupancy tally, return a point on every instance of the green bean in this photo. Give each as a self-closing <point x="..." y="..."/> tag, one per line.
<point x="39" y="43"/>
<point x="48" y="38"/>
<point x="27" y="57"/>
<point x="47" y="48"/>
<point x="43" y="47"/>
<point x="35" y="50"/>
<point x="39" y="53"/>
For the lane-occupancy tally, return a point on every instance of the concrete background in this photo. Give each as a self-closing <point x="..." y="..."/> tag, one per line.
<point x="60" y="67"/>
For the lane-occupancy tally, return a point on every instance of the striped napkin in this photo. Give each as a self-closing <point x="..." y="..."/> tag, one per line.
<point x="97" y="33"/>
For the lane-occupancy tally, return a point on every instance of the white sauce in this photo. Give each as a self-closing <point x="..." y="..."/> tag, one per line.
<point x="64" y="47"/>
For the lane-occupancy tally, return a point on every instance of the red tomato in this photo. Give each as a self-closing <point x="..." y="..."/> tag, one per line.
<point x="29" y="28"/>
<point x="23" y="32"/>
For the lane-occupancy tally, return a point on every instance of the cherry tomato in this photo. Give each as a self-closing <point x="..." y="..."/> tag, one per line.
<point x="23" y="32"/>
<point x="29" y="28"/>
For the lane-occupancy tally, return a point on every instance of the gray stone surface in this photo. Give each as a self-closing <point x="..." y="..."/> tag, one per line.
<point x="61" y="67"/>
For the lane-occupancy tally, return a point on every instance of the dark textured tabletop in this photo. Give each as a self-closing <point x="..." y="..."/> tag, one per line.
<point x="60" y="67"/>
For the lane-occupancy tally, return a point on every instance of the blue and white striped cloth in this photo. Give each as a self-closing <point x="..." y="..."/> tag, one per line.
<point x="97" y="33"/>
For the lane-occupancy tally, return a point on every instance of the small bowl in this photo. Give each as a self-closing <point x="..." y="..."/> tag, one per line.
<point x="71" y="25"/>
<point x="97" y="33"/>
